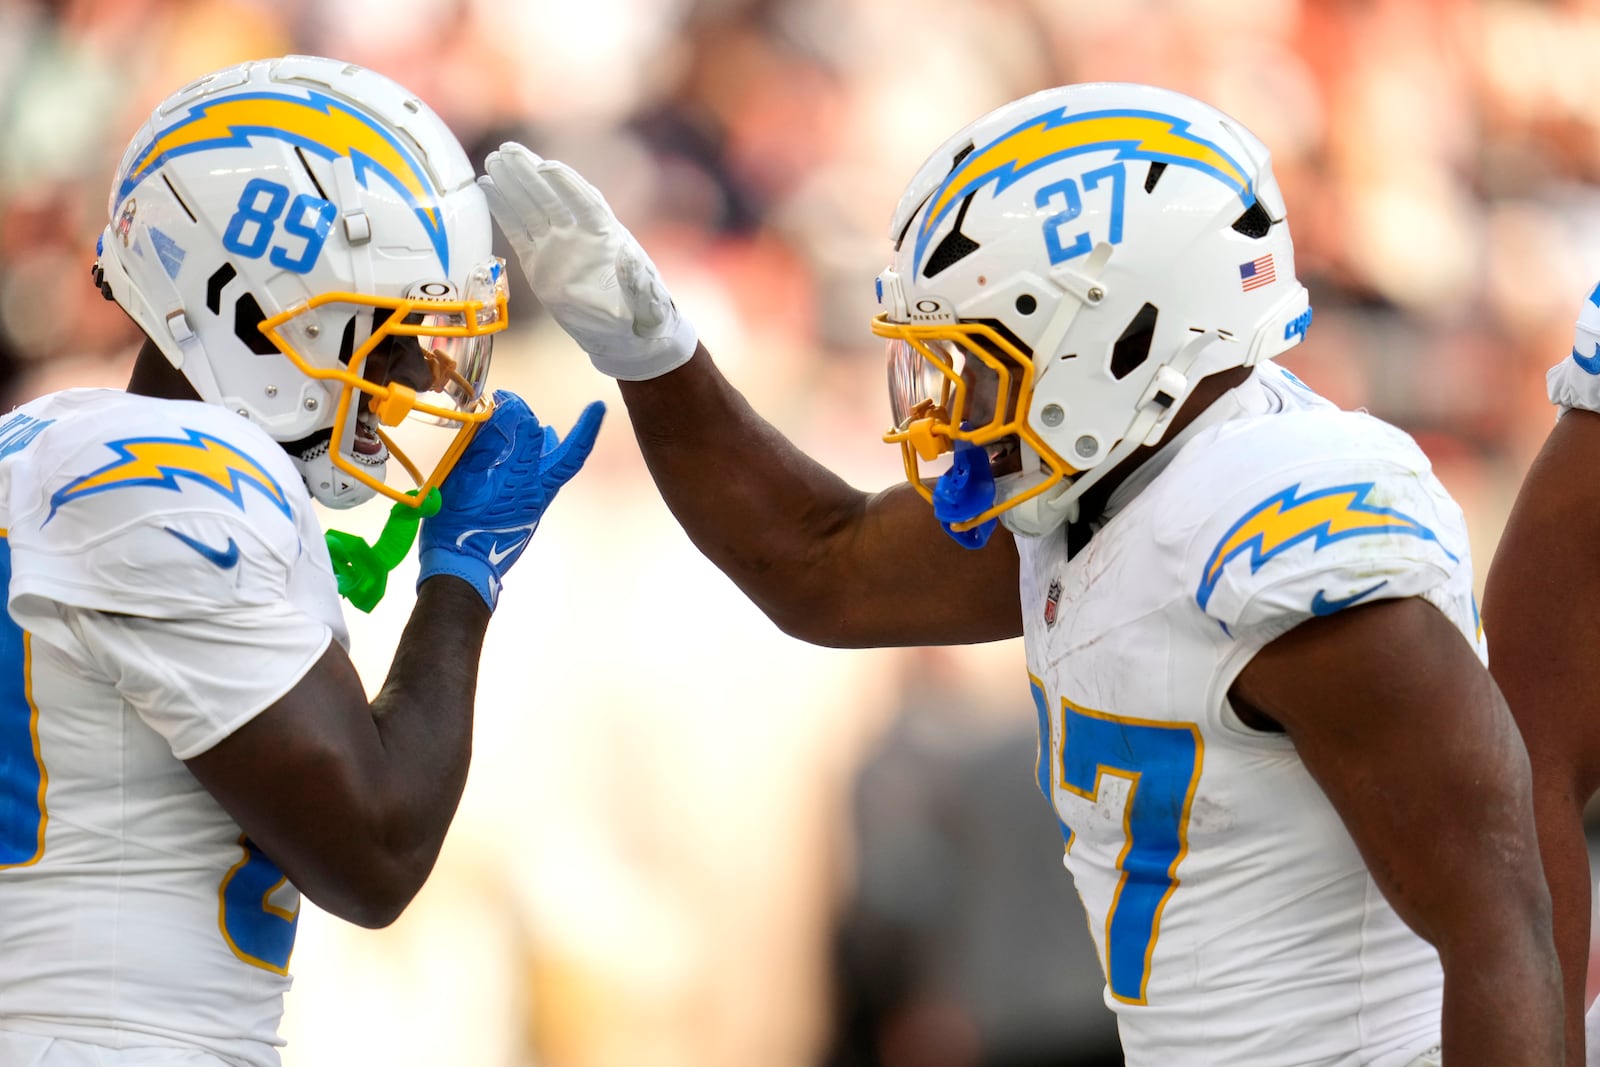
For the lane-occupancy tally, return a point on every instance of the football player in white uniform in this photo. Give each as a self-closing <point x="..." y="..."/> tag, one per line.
<point x="1287" y="785"/>
<point x="185" y="747"/>
<point x="1538" y="608"/>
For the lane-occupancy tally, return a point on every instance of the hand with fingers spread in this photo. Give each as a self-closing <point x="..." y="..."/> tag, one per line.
<point x="585" y="266"/>
<point x="497" y="491"/>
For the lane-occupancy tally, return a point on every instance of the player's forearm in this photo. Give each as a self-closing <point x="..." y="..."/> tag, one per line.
<point x="758" y="507"/>
<point x="1559" y="815"/>
<point x="1487" y="911"/>
<point x="1502" y="996"/>
<point x="1482" y="901"/>
<point x="423" y="716"/>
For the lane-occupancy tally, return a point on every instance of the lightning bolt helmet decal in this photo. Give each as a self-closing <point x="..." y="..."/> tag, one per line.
<point x="316" y="123"/>
<point x="1057" y="135"/>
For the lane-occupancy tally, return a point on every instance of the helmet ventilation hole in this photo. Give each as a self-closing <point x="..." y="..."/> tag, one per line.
<point x="347" y="343"/>
<point x="1026" y="304"/>
<point x="955" y="246"/>
<point x="174" y="191"/>
<point x="1254" y="222"/>
<point x="300" y="152"/>
<point x="215" y="284"/>
<point x="1157" y="169"/>
<point x="1133" y="347"/>
<point x="247" y="319"/>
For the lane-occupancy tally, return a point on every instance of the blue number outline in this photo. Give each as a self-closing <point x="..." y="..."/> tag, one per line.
<point x="21" y="845"/>
<point x="1119" y="186"/>
<point x="315" y="235"/>
<point x="256" y="930"/>
<point x="1165" y="758"/>
<point x="1067" y="188"/>
<point x="266" y="219"/>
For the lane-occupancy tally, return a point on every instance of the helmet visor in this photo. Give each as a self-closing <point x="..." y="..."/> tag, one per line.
<point x="961" y="381"/>
<point x="918" y="383"/>
<point x="456" y="340"/>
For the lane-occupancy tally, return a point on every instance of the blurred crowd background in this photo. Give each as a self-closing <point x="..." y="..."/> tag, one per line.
<point x="688" y="839"/>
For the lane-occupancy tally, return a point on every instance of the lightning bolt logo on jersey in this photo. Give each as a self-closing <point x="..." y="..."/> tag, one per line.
<point x="1056" y="135"/>
<point x="163" y="461"/>
<point x="180" y="542"/>
<point x="1223" y="891"/>
<point x="1286" y="518"/>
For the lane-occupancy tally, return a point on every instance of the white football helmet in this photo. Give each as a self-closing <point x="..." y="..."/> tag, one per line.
<point x="304" y="240"/>
<point x="1066" y="269"/>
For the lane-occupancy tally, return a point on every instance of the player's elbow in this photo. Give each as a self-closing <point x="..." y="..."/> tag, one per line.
<point x="372" y="897"/>
<point x="812" y="627"/>
<point x="377" y="912"/>
<point x="372" y="879"/>
<point x="827" y="630"/>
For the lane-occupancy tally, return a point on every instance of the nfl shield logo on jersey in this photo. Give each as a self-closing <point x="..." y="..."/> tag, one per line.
<point x="1052" y="597"/>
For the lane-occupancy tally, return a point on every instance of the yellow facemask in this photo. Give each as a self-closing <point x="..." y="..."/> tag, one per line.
<point x="455" y="336"/>
<point x="933" y="407"/>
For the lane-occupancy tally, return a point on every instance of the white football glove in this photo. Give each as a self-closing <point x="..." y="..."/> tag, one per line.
<point x="1575" y="381"/>
<point x="585" y="267"/>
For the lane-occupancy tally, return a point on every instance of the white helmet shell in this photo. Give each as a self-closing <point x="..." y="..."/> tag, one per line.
<point x="1118" y="242"/>
<point x="273" y="222"/>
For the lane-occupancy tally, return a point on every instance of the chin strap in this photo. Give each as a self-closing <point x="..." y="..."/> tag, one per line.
<point x="964" y="492"/>
<point x="1161" y="400"/>
<point x="362" y="570"/>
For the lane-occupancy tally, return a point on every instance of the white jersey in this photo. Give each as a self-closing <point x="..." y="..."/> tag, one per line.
<point x="1236" y="922"/>
<point x="167" y="582"/>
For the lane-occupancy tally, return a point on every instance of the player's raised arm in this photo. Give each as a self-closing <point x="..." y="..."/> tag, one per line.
<point x="1409" y="737"/>
<point x="827" y="562"/>
<point x="352" y="800"/>
<point x="1539" y="612"/>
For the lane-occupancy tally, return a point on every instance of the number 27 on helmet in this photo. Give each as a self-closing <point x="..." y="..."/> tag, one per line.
<point x="1066" y="269"/>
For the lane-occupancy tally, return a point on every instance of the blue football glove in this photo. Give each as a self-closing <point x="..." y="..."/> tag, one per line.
<point x="498" y="489"/>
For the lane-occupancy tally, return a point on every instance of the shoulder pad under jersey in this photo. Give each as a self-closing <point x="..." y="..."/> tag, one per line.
<point x="162" y="509"/>
<point x="1319" y="511"/>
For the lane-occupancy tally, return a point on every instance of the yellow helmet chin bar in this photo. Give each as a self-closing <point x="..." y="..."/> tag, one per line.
<point x="393" y="401"/>
<point x="932" y="426"/>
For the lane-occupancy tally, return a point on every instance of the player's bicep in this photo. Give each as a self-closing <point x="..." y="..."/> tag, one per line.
<point x="1538" y="608"/>
<point x="904" y="581"/>
<point x="1401" y="725"/>
<point x="267" y="712"/>
<point x="298" y="777"/>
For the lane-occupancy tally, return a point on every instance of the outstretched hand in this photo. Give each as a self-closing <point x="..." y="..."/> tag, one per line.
<point x="585" y="267"/>
<point x="498" y="490"/>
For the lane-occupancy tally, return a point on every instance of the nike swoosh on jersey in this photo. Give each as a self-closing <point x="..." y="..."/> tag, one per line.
<point x="1590" y="364"/>
<point x="222" y="557"/>
<point x="1321" y="605"/>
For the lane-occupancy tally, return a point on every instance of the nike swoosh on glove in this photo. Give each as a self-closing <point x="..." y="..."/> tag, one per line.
<point x="498" y="490"/>
<point x="585" y="267"/>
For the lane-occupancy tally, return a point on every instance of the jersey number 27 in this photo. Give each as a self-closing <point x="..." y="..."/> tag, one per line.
<point x="1161" y="763"/>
